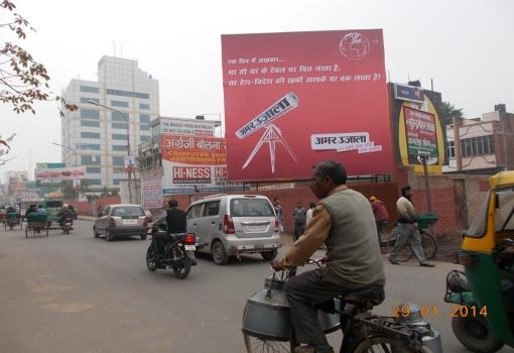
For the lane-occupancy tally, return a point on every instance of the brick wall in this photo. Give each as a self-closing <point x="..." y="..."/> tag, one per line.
<point x="455" y="198"/>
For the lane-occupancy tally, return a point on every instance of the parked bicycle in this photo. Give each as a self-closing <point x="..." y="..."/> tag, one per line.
<point x="267" y="325"/>
<point x="428" y="241"/>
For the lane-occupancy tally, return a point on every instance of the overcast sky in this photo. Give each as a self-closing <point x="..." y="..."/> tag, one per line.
<point x="465" y="46"/>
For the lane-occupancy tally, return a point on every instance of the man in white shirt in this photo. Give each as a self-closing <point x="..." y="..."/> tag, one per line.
<point x="407" y="229"/>
<point x="308" y="215"/>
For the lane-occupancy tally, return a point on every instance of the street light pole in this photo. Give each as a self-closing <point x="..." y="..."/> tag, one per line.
<point x="76" y="182"/>
<point x="71" y="149"/>
<point x="129" y="169"/>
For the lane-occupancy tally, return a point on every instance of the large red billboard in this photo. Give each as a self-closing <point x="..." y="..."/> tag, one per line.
<point x="295" y="99"/>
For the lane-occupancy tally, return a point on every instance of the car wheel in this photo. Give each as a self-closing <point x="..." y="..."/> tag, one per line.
<point x="95" y="232"/>
<point x="269" y="255"/>
<point x="219" y="255"/>
<point x="108" y="235"/>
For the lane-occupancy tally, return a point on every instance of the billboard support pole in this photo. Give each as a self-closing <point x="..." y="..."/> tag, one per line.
<point x="423" y="159"/>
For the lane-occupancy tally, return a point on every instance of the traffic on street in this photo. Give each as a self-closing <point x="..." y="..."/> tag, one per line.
<point x="77" y="293"/>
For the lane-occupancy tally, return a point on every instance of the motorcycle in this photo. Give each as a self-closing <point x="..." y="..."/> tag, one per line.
<point x="66" y="226"/>
<point x="177" y="253"/>
<point x="480" y="297"/>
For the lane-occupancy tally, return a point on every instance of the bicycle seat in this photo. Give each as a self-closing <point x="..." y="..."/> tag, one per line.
<point x="364" y="298"/>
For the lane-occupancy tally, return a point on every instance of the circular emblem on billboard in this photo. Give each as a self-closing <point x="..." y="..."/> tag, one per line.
<point x="354" y="46"/>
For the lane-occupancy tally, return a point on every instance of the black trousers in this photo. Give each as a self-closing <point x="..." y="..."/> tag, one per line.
<point x="299" y="228"/>
<point x="303" y="292"/>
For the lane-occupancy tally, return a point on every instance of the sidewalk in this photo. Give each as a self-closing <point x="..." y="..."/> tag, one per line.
<point x="87" y="218"/>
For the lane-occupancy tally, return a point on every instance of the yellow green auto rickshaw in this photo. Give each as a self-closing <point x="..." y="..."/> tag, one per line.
<point x="483" y="314"/>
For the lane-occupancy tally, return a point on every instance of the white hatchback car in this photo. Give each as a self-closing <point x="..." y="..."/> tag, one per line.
<point x="229" y="225"/>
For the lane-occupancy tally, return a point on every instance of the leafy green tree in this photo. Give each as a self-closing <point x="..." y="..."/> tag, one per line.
<point x="448" y="111"/>
<point x="23" y="80"/>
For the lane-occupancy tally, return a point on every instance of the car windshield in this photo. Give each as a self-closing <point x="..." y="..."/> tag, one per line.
<point x="505" y="208"/>
<point x="504" y="213"/>
<point x="249" y="207"/>
<point x="127" y="211"/>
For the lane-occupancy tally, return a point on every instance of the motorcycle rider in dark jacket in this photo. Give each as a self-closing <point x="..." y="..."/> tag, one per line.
<point x="175" y="224"/>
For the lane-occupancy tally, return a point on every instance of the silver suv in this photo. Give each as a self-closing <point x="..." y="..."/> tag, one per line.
<point x="229" y="225"/>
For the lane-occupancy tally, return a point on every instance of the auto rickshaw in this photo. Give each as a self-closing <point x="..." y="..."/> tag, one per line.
<point x="484" y="319"/>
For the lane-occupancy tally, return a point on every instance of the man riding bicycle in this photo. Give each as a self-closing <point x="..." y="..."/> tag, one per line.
<point x="343" y="220"/>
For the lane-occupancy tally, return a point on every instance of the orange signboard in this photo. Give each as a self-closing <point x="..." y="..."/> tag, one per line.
<point x="198" y="150"/>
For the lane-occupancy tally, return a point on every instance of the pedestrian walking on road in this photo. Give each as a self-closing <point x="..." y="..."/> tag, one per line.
<point x="300" y="217"/>
<point x="407" y="229"/>
<point x="381" y="215"/>
<point x="308" y="215"/>
<point x="279" y="213"/>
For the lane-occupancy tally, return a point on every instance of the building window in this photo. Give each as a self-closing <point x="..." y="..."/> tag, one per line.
<point x="90" y="182"/>
<point x="144" y="128"/>
<point x="119" y="148"/>
<point x="119" y="126"/>
<point x="119" y="136"/>
<point x="89" y="89"/>
<point x="86" y="100"/>
<point x="89" y="114"/>
<point x="119" y="104"/>
<point x="88" y="146"/>
<point x="123" y="117"/>
<point x="118" y="160"/>
<point x="90" y="135"/>
<point x="115" y="92"/>
<point x="144" y="118"/>
<point x="156" y="130"/>
<point x="93" y="170"/>
<point x="477" y="146"/>
<point x="144" y="138"/>
<point x="90" y="160"/>
<point x="144" y="106"/>
<point x="117" y="181"/>
<point x="90" y="123"/>
<point x="451" y="149"/>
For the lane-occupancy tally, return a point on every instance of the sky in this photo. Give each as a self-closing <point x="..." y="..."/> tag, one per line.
<point x="461" y="48"/>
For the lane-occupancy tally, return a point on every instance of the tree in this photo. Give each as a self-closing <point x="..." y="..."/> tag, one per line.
<point x="23" y="80"/>
<point x="448" y="111"/>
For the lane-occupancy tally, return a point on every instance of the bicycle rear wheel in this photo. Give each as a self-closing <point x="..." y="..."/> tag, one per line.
<point x="383" y="344"/>
<point x="403" y="254"/>
<point x="256" y="344"/>
<point x="429" y="244"/>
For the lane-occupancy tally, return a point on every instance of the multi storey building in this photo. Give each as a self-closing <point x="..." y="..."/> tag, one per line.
<point x="112" y="120"/>
<point x="485" y="143"/>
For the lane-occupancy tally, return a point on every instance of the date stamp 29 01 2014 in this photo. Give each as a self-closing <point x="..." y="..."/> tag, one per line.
<point x="427" y="311"/>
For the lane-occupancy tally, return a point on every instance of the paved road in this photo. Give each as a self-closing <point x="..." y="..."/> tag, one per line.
<point x="75" y="293"/>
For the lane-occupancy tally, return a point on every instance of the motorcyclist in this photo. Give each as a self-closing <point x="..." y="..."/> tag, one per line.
<point x="64" y="213"/>
<point x="176" y="224"/>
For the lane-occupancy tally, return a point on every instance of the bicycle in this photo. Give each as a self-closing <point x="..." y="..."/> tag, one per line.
<point x="267" y="326"/>
<point x="428" y="241"/>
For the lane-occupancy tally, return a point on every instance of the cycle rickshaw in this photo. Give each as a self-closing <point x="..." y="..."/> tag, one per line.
<point x="12" y="219"/>
<point x="37" y="223"/>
